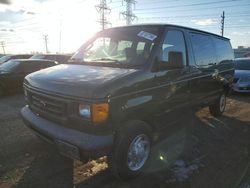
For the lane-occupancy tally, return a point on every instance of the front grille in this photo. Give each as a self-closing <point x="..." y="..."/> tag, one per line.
<point x="47" y="105"/>
<point x="244" y="88"/>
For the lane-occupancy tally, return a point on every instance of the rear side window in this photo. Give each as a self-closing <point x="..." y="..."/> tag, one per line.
<point x="203" y="48"/>
<point x="223" y="50"/>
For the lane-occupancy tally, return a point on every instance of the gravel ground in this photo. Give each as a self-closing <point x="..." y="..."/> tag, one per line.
<point x="201" y="151"/>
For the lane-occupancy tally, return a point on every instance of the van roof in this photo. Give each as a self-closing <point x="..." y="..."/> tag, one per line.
<point x="172" y="25"/>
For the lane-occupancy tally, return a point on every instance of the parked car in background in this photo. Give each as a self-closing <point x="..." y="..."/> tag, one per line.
<point x="242" y="75"/>
<point x="13" y="72"/>
<point x="9" y="57"/>
<point x="60" y="58"/>
<point x="123" y="82"/>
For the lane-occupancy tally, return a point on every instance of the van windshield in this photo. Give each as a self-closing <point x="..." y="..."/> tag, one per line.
<point x="243" y="65"/>
<point x="119" y="46"/>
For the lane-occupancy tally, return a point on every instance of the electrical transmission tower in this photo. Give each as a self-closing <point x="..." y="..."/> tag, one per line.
<point x="3" y="46"/>
<point x="222" y="23"/>
<point x="128" y="15"/>
<point x="103" y="10"/>
<point x="46" y="43"/>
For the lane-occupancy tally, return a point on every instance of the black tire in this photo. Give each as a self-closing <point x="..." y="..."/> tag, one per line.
<point x="218" y="107"/>
<point x="118" y="159"/>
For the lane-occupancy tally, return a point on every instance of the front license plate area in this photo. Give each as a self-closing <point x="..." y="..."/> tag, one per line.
<point x="68" y="150"/>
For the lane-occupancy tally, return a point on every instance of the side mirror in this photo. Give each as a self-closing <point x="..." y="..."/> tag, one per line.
<point x="175" y="60"/>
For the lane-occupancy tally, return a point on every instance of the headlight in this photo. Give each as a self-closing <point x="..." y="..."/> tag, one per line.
<point x="84" y="110"/>
<point x="25" y="93"/>
<point x="97" y="112"/>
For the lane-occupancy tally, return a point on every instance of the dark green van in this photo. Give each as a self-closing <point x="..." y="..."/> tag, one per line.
<point x="105" y="101"/>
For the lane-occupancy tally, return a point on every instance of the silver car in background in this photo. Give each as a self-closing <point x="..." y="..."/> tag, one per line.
<point x="242" y="75"/>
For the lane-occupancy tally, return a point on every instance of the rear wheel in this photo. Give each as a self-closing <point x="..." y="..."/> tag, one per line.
<point x="131" y="151"/>
<point x="219" y="106"/>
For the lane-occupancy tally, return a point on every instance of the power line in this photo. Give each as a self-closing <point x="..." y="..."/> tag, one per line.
<point x="188" y="10"/>
<point x="128" y="15"/>
<point x="103" y="10"/>
<point x="210" y="16"/>
<point x="188" y="5"/>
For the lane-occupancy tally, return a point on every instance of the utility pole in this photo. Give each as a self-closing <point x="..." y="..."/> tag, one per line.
<point x="222" y="23"/>
<point x="46" y="42"/>
<point x="128" y="14"/>
<point x="3" y="46"/>
<point x="60" y="36"/>
<point x="103" y="10"/>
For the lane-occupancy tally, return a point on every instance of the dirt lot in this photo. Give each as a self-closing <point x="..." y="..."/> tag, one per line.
<point x="202" y="152"/>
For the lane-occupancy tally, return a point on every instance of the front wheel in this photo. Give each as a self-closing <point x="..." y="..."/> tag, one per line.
<point x="131" y="151"/>
<point x="218" y="107"/>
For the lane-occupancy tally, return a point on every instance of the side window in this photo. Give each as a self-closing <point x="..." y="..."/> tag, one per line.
<point x="224" y="50"/>
<point x="203" y="49"/>
<point x="174" y="41"/>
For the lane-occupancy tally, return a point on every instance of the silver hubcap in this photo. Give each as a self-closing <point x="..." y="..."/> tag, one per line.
<point x="222" y="103"/>
<point x="138" y="152"/>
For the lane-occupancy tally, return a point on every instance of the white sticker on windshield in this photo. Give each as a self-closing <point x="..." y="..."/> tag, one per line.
<point x="147" y="35"/>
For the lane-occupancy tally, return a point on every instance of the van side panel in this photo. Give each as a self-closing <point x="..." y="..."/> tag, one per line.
<point x="209" y="68"/>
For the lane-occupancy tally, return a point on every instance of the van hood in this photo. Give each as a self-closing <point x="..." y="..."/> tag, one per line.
<point x="75" y="80"/>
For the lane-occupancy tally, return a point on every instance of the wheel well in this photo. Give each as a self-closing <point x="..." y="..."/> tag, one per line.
<point x="132" y="123"/>
<point x="227" y="88"/>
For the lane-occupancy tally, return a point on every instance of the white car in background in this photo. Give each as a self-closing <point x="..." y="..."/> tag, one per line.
<point x="242" y="75"/>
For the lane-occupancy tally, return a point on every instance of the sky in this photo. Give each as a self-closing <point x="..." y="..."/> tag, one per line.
<point x="68" y="24"/>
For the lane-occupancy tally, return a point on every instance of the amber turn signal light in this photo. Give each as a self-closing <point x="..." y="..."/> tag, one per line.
<point x="100" y="112"/>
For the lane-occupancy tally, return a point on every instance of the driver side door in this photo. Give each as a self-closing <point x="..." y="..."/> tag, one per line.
<point x="173" y="83"/>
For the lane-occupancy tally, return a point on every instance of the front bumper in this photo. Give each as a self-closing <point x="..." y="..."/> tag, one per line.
<point x="241" y="87"/>
<point x="89" y="145"/>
